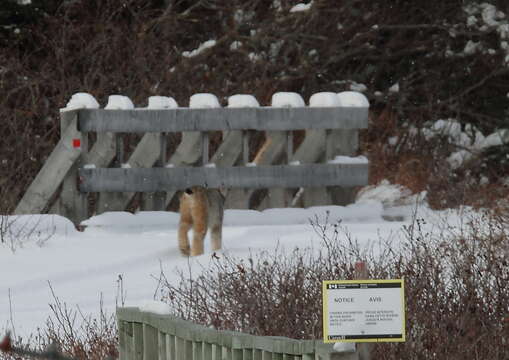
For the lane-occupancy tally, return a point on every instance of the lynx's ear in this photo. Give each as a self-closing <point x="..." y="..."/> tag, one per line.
<point x="189" y="191"/>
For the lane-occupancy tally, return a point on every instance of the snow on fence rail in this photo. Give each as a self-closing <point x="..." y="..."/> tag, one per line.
<point x="149" y="336"/>
<point x="78" y="166"/>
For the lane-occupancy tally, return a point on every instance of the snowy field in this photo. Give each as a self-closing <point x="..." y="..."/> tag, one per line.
<point x="84" y="266"/>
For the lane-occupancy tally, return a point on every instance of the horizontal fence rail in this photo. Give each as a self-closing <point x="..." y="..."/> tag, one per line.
<point x="148" y="336"/>
<point x="277" y="176"/>
<point x="117" y="160"/>
<point x="221" y="119"/>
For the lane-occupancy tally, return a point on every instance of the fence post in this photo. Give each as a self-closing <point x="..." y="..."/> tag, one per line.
<point x="72" y="203"/>
<point x="138" y="341"/>
<point x="342" y="142"/>
<point x="364" y="349"/>
<point x="150" y="343"/>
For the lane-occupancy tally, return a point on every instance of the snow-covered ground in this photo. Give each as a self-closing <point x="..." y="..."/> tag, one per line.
<point x="83" y="266"/>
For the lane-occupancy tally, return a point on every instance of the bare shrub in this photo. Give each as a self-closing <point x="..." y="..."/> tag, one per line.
<point x="16" y="231"/>
<point x="457" y="297"/>
<point x="136" y="49"/>
<point x="68" y="333"/>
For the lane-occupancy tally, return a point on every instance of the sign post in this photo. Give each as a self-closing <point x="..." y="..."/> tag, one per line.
<point x="363" y="311"/>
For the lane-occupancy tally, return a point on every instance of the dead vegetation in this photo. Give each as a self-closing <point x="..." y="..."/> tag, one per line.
<point x="418" y="61"/>
<point x="457" y="301"/>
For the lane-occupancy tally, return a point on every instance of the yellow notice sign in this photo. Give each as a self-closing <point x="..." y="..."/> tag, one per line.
<point x="363" y="311"/>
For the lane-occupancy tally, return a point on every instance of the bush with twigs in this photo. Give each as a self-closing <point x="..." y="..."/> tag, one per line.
<point x="457" y="299"/>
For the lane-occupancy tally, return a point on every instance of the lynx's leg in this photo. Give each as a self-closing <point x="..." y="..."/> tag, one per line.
<point x="216" y="233"/>
<point x="216" y="211"/>
<point x="186" y="222"/>
<point x="199" y="213"/>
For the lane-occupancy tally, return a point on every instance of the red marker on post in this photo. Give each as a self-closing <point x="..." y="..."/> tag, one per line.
<point x="76" y="143"/>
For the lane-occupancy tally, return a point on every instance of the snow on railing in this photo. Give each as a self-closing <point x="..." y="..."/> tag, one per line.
<point x="331" y="123"/>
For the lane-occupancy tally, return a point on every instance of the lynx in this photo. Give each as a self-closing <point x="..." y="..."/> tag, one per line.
<point x="200" y="209"/>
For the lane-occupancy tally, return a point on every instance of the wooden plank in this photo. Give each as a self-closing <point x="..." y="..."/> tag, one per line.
<point x="343" y="142"/>
<point x="122" y="340"/>
<point x="170" y="347"/>
<point x="162" y="347"/>
<point x="222" y="119"/>
<point x="144" y="156"/>
<point x="150" y="343"/>
<point x="207" y="351"/>
<point x="51" y="175"/>
<point x="205" y="148"/>
<point x="217" y="352"/>
<point x="189" y="350"/>
<point x="257" y="354"/>
<point x="159" y="179"/>
<point x="197" y="350"/>
<point x="156" y="201"/>
<point x="72" y="203"/>
<point x="289" y="146"/>
<point x="247" y="354"/>
<point x="237" y="354"/>
<point x="226" y="354"/>
<point x="187" y="153"/>
<point x="138" y="341"/>
<point x="129" y="341"/>
<point x="270" y="153"/>
<point x="101" y="155"/>
<point x="245" y="146"/>
<point x="180" y="349"/>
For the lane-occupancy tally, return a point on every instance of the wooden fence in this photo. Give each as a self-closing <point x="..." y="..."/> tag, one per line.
<point x="91" y="157"/>
<point x="148" y="336"/>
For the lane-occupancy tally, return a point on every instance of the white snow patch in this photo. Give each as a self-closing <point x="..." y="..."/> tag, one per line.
<point x="287" y="99"/>
<point x="353" y="99"/>
<point x="89" y="166"/>
<point x="254" y="57"/>
<point x="471" y="47"/>
<point x="119" y="102"/>
<point x="161" y="102"/>
<point x="497" y="138"/>
<point x="301" y="7"/>
<point x="458" y="158"/>
<point x="394" y="88"/>
<point x="489" y="14"/>
<point x="242" y="101"/>
<point x="26" y="228"/>
<point x="276" y="4"/>
<point x="387" y="194"/>
<point x="81" y="100"/>
<point x="324" y="99"/>
<point x="235" y="45"/>
<point x="340" y="159"/>
<point x="358" y="87"/>
<point x="294" y="163"/>
<point x="155" y="307"/>
<point x="201" y="48"/>
<point x="343" y="347"/>
<point x="204" y="100"/>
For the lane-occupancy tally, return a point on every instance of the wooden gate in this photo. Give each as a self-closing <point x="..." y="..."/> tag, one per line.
<point x="91" y="158"/>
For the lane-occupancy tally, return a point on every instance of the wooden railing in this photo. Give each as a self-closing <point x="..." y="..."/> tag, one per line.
<point x="148" y="336"/>
<point x="81" y="164"/>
